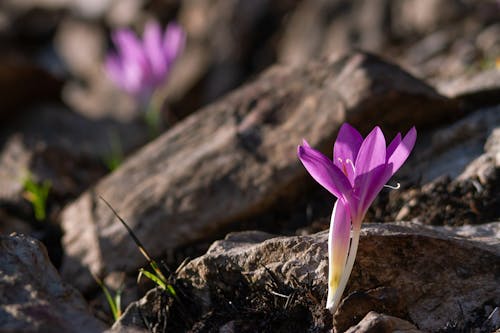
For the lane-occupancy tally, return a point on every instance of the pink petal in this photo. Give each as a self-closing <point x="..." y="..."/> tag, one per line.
<point x="338" y="248"/>
<point x="367" y="187"/>
<point x="173" y="42"/>
<point x="392" y="146"/>
<point x="324" y="171"/>
<point x="371" y="153"/>
<point x="403" y="149"/>
<point x="154" y="51"/>
<point x="129" y="46"/>
<point x="346" y="149"/>
<point x="114" y="69"/>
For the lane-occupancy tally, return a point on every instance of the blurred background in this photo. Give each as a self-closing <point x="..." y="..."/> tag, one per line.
<point x="54" y="49"/>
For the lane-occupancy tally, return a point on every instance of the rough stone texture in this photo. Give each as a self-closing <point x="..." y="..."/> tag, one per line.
<point x="485" y="168"/>
<point x="379" y="323"/>
<point x="234" y="158"/>
<point x="456" y="175"/>
<point x="449" y="150"/>
<point x="436" y="276"/>
<point x="34" y="299"/>
<point x="132" y="318"/>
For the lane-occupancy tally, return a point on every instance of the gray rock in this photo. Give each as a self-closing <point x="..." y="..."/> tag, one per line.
<point x="485" y="168"/>
<point x="438" y="277"/>
<point x="379" y="323"/>
<point x="34" y="299"/>
<point x="459" y="168"/>
<point x="482" y="85"/>
<point x="233" y="159"/>
<point x="430" y="276"/>
<point x="450" y="150"/>
<point x="63" y="147"/>
<point x="132" y="318"/>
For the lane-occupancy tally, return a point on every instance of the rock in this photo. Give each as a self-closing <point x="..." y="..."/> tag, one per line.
<point x="436" y="276"/>
<point x="458" y="175"/>
<point x="325" y="27"/>
<point x="62" y="147"/>
<point x="425" y="16"/>
<point x="228" y="43"/>
<point x="435" y="295"/>
<point x="486" y="167"/>
<point x="474" y="91"/>
<point x="449" y="150"/>
<point x="81" y="45"/>
<point x="488" y="233"/>
<point x="132" y="319"/>
<point x="238" y="155"/>
<point x="34" y="299"/>
<point x="379" y="323"/>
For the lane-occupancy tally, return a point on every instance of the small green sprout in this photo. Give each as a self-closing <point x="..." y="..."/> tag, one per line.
<point x="152" y="116"/>
<point x="156" y="276"/>
<point x="113" y="302"/>
<point x="115" y="157"/>
<point x="37" y="193"/>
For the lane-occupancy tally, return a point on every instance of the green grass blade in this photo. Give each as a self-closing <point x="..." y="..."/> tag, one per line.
<point x="153" y="278"/>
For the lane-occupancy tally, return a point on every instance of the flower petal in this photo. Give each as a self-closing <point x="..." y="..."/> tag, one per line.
<point x="154" y="50"/>
<point x="129" y="46"/>
<point x="324" y="171"/>
<point x="114" y="69"/>
<point x="392" y="146"/>
<point x="371" y="153"/>
<point x="367" y="186"/>
<point x="403" y="150"/>
<point x="338" y="248"/>
<point x="173" y="42"/>
<point x="345" y="150"/>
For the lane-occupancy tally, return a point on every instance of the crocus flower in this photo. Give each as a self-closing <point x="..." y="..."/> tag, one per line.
<point x="359" y="170"/>
<point x="140" y="66"/>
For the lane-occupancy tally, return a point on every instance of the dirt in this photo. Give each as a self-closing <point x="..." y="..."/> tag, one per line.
<point x="442" y="202"/>
<point x="242" y="307"/>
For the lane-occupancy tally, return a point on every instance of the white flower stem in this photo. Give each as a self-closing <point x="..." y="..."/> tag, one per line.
<point x="351" y="256"/>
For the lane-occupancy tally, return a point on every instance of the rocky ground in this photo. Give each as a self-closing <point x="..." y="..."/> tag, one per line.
<point x="220" y="199"/>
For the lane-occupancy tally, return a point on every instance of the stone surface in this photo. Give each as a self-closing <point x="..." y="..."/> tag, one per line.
<point x="474" y="91"/>
<point x="325" y="27"/>
<point x="430" y="276"/>
<point x="486" y="167"/>
<point x="379" y="323"/>
<point x="62" y="147"/>
<point x="233" y="159"/>
<point x="449" y="150"/>
<point x="132" y="319"/>
<point x="456" y="172"/>
<point x="34" y="299"/>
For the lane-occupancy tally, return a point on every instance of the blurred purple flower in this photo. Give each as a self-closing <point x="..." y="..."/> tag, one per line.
<point x="359" y="170"/>
<point x="139" y="67"/>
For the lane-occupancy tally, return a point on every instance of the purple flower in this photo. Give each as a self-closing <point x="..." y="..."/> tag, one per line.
<point x="139" y="67"/>
<point x="359" y="170"/>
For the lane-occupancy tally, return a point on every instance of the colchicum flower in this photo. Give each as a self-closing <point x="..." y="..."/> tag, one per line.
<point x="139" y="67"/>
<point x="359" y="170"/>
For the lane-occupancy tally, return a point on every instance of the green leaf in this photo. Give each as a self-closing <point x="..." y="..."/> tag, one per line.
<point x="152" y="277"/>
<point x="114" y="303"/>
